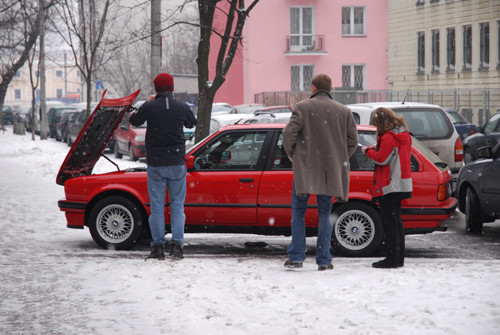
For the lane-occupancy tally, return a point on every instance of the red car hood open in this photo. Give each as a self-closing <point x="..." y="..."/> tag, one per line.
<point x="93" y="137"/>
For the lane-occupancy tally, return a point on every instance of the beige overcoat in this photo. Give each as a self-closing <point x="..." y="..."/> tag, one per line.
<point x="320" y="137"/>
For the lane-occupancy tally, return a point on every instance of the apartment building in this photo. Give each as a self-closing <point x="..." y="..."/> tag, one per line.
<point x="62" y="83"/>
<point x="447" y="45"/>
<point x="285" y="43"/>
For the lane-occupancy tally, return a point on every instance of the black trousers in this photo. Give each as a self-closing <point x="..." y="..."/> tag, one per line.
<point x="390" y="213"/>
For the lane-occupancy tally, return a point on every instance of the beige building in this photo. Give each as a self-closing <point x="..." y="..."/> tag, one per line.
<point x="450" y="47"/>
<point x="62" y="84"/>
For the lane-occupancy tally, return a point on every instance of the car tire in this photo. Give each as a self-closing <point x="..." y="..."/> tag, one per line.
<point x="357" y="229"/>
<point x="116" y="223"/>
<point x="473" y="221"/>
<point x="117" y="152"/>
<point x="131" y="154"/>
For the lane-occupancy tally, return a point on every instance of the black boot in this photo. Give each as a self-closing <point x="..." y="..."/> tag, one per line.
<point x="176" y="250"/>
<point x="386" y="264"/>
<point x="157" y="252"/>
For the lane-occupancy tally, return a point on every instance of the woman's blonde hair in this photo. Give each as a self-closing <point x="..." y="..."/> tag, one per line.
<point x="385" y="119"/>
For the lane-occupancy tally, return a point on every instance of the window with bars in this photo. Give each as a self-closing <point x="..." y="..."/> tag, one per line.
<point x="420" y="52"/>
<point x="435" y="51"/>
<point x="353" y="76"/>
<point x="301" y="77"/>
<point x="484" y="45"/>
<point x="498" y="45"/>
<point x="301" y="28"/>
<point x="450" y="49"/>
<point x="467" y="48"/>
<point x="353" y="21"/>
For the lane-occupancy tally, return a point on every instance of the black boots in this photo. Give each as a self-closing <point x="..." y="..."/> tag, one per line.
<point x="176" y="250"/>
<point x="157" y="252"/>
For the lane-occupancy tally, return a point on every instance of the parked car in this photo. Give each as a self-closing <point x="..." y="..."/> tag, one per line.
<point x="130" y="140"/>
<point x="243" y="169"/>
<point x="8" y="114"/>
<point x="486" y="136"/>
<point x="479" y="189"/>
<point x="62" y="127"/>
<point x="54" y="115"/>
<point x="221" y="108"/>
<point x="273" y="110"/>
<point x="244" y="108"/>
<point x="75" y="125"/>
<point x="429" y="123"/>
<point x="463" y="127"/>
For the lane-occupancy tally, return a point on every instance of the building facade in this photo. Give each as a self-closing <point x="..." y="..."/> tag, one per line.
<point x="62" y="83"/>
<point x="285" y="43"/>
<point x="447" y="45"/>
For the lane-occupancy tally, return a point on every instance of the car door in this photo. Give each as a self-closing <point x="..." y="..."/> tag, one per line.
<point x="275" y="194"/>
<point x="222" y="187"/>
<point x="121" y="134"/>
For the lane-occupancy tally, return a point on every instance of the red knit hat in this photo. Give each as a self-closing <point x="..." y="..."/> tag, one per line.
<point x="164" y="82"/>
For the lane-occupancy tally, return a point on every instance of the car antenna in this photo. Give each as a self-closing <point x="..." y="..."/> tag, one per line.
<point x="109" y="160"/>
<point x="406" y="96"/>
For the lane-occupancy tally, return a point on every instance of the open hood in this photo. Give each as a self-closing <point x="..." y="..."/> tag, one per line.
<point x="94" y="137"/>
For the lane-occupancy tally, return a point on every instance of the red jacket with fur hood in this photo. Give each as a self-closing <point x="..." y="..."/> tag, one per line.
<point x="393" y="158"/>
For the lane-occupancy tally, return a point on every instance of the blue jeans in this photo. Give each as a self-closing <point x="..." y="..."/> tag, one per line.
<point x="297" y="248"/>
<point x="160" y="178"/>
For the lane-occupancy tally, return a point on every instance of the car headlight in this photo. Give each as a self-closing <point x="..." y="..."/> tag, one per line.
<point x="140" y="138"/>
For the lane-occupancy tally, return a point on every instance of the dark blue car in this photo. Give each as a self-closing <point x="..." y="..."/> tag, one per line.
<point x="478" y="189"/>
<point x="463" y="127"/>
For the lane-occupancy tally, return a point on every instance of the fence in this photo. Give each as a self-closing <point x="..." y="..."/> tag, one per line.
<point x="476" y="105"/>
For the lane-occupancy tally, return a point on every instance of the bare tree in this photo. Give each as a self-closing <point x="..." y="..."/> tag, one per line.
<point x="83" y="28"/>
<point x="230" y="40"/>
<point x="19" y="31"/>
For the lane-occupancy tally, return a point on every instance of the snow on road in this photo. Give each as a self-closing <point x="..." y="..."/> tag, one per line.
<point x="55" y="280"/>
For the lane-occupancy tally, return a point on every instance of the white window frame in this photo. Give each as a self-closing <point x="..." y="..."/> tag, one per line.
<point x="304" y="84"/>
<point x="351" y="22"/>
<point x="302" y="37"/>
<point x="352" y="80"/>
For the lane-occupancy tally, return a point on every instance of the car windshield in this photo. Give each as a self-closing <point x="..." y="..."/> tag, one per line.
<point x="457" y="118"/>
<point x="426" y="123"/>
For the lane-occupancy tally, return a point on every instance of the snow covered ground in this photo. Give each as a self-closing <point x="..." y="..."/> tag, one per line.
<point x="55" y="280"/>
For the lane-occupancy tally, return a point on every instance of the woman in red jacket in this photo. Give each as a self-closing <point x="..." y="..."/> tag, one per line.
<point x="392" y="180"/>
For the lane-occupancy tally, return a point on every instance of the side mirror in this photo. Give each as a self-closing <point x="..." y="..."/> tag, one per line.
<point x="484" y="152"/>
<point x="190" y="163"/>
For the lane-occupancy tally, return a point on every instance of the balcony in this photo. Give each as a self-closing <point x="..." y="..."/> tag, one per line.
<point x="305" y="45"/>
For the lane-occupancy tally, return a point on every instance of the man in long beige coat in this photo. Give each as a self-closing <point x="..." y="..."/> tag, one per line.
<point x="320" y="138"/>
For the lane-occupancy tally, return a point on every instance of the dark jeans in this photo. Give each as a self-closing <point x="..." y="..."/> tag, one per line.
<point x="390" y="213"/>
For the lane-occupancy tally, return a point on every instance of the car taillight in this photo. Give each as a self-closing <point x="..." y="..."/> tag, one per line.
<point x="444" y="191"/>
<point x="459" y="150"/>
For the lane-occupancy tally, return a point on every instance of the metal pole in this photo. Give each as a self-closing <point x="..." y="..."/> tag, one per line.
<point x="155" y="38"/>
<point x="43" y="105"/>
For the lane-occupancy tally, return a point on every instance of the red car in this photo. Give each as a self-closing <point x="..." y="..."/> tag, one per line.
<point x="130" y="140"/>
<point x="243" y="170"/>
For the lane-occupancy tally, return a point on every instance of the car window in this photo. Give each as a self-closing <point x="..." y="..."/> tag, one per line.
<point x="360" y="162"/>
<point x="427" y="123"/>
<point x="280" y="158"/>
<point x="357" y="118"/>
<point x="231" y="151"/>
<point x="492" y="125"/>
<point x="457" y="118"/>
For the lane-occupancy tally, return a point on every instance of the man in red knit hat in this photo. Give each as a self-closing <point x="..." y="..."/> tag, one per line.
<point x="166" y="118"/>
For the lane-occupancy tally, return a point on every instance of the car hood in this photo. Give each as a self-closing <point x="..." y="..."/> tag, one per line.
<point x="94" y="136"/>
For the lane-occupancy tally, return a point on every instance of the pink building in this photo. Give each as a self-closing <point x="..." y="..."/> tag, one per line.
<point x="287" y="42"/>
